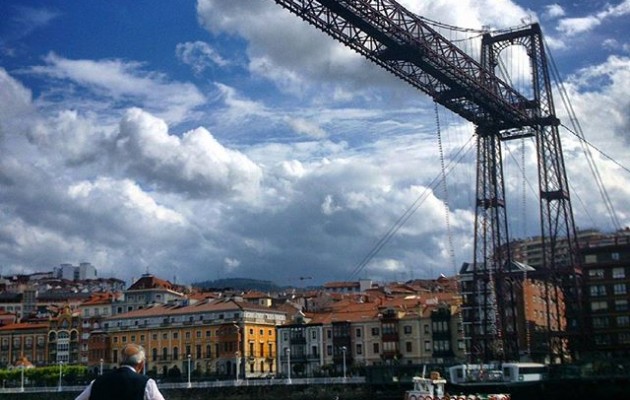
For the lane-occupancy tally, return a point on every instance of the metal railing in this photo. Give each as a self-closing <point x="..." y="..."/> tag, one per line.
<point x="206" y="384"/>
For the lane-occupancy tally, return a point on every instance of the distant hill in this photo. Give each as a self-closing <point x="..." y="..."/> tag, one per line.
<point x="243" y="284"/>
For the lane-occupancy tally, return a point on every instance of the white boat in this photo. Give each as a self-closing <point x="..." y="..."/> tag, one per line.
<point x="432" y="388"/>
<point x="513" y="373"/>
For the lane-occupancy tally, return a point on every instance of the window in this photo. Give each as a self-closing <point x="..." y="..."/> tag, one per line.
<point x="375" y="331"/>
<point x="313" y="334"/>
<point x="328" y="333"/>
<point x="618" y="273"/>
<point x="407" y="329"/>
<point x="614" y="256"/>
<point x="175" y="353"/>
<point x="358" y="332"/>
<point x="329" y="350"/>
<point x="175" y="335"/>
<point x="359" y="349"/>
<point x="623" y="321"/>
<point x="619" y="288"/>
<point x="599" y="305"/>
<point x="596" y="273"/>
<point x="408" y="347"/>
<point x="376" y="348"/>
<point x="600" y="322"/>
<point x="602" y="339"/>
<point x="154" y="354"/>
<point x="427" y="345"/>
<point x="597" y="290"/>
<point x="198" y="334"/>
<point x="187" y="335"/>
<point x="621" y="305"/>
<point x="624" y="338"/>
<point x="426" y="329"/>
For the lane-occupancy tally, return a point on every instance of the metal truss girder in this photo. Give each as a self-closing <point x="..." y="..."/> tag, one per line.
<point x="397" y="40"/>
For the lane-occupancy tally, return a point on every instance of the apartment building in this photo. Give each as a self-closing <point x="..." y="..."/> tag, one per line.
<point x="606" y="265"/>
<point x="27" y="340"/>
<point x="218" y="337"/>
<point x="379" y="331"/>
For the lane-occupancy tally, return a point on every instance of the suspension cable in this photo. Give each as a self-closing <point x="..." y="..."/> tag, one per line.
<point x="409" y="211"/>
<point x="447" y="212"/>
<point x="577" y="131"/>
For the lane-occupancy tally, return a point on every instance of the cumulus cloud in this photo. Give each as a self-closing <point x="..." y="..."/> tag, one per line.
<point x="195" y="164"/>
<point x="15" y="104"/>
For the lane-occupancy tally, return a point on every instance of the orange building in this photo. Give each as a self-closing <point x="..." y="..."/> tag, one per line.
<point x="228" y="338"/>
<point x="23" y="340"/>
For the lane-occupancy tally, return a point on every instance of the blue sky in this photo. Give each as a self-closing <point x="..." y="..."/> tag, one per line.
<point x="227" y="138"/>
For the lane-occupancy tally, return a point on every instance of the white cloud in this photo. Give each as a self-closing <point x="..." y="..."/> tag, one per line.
<point x="195" y="164"/>
<point x="199" y="55"/>
<point x="578" y="25"/>
<point x="305" y="127"/>
<point x="126" y="83"/>
<point x="15" y="104"/>
<point x="554" y="11"/>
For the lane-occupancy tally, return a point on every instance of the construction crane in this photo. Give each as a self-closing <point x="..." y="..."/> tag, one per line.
<point x="406" y="45"/>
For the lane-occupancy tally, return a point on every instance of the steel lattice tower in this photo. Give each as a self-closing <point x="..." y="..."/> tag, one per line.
<point x="406" y="45"/>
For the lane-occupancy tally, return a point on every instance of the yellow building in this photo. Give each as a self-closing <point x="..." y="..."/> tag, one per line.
<point x="222" y="338"/>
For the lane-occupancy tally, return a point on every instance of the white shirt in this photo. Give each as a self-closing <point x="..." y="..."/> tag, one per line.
<point x="151" y="391"/>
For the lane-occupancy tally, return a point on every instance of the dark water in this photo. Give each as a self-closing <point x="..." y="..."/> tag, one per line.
<point x="555" y="390"/>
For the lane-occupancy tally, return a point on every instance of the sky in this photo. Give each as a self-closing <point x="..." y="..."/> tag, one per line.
<point x="228" y="138"/>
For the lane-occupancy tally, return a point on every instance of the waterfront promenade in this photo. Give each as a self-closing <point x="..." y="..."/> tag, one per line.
<point x="302" y="388"/>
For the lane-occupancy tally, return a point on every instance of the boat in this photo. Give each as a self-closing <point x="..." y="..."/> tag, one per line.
<point x="432" y="388"/>
<point x="503" y="374"/>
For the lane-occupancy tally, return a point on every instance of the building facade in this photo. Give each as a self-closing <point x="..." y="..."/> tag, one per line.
<point x="221" y="338"/>
<point x="606" y="264"/>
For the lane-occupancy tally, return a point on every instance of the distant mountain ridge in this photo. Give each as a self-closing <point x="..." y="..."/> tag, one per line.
<point x="244" y="284"/>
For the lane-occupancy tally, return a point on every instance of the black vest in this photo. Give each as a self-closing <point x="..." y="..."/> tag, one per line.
<point x="121" y="384"/>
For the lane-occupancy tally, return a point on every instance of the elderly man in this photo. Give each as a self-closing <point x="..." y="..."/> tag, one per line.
<point x="126" y="382"/>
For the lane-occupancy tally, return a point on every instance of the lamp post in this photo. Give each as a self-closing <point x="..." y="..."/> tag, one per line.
<point x="343" y="350"/>
<point x="22" y="380"/>
<point x="100" y="369"/>
<point x="60" y="374"/>
<point x="189" y="384"/>
<point x="289" y="365"/>
<point x="237" y="357"/>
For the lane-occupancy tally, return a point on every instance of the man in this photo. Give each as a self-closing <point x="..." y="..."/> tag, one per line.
<point x="126" y="382"/>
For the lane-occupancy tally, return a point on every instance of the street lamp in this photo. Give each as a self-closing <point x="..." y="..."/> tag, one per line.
<point x="189" y="384"/>
<point x="22" y="381"/>
<point x="289" y="365"/>
<point x="237" y="358"/>
<point x="60" y="374"/>
<point x="343" y="350"/>
<point x="100" y="370"/>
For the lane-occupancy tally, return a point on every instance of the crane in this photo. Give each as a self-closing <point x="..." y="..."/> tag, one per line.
<point x="404" y="44"/>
